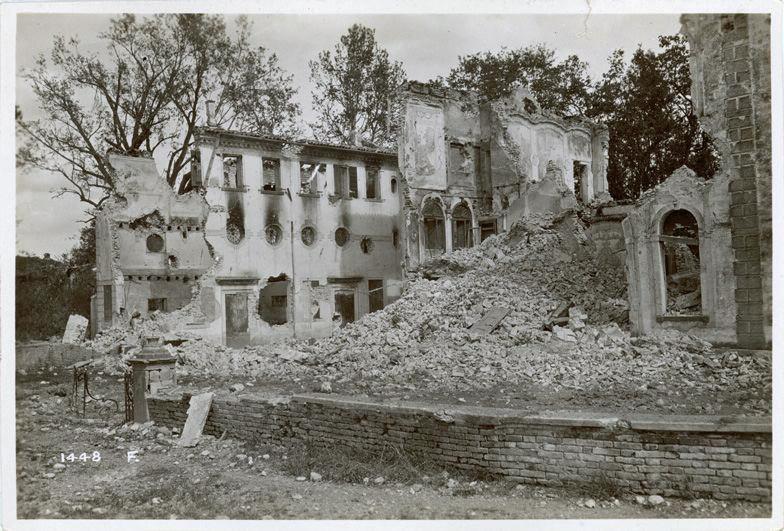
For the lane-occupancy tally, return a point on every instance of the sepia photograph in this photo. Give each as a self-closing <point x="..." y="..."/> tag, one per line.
<point x="506" y="264"/>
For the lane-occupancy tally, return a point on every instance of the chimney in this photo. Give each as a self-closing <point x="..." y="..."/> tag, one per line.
<point x="210" y="112"/>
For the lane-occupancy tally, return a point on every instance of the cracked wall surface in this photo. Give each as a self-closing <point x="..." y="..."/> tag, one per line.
<point x="503" y="159"/>
<point x="129" y="273"/>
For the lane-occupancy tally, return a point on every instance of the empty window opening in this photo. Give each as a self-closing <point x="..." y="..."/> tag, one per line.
<point x="434" y="228"/>
<point x="393" y="185"/>
<point x="271" y="175"/>
<point x="371" y="183"/>
<point x="344" y="307"/>
<point x="461" y="227"/>
<point x="315" y="309"/>
<point x="353" y="186"/>
<point x="154" y="243"/>
<point x="366" y="244"/>
<point x="235" y="222"/>
<point x="308" y="235"/>
<point x="107" y="304"/>
<point x="341" y="236"/>
<point x="681" y="255"/>
<point x="273" y="301"/>
<point x="341" y="181"/>
<point x="232" y="171"/>
<point x="487" y="228"/>
<point x="273" y="234"/>
<point x="395" y="237"/>
<point x="309" y="179"/>
<point x="375" y="295"/>
<point x="458" y="159"/>
<point x="477" y="167"/>
<point x="579" y="176"/>
<point x="156" y="305"/>
<point x="172" y="261"/>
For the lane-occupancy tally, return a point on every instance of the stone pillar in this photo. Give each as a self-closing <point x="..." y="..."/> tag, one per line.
<point x="600" y="142"/>
<point x="448" y="230"/>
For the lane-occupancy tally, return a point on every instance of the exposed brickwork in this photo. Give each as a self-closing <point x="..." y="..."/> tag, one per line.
<point x="731" y="72"/>
<point x="643" y="456"/>
<point x="739" y="113"/>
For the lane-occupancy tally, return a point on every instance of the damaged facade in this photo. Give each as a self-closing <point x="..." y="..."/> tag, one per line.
<point x="286" y="238"/>
<point x="471" y="169"/>
<point x="279" y="239"/>
<point x="150" y="247"/>
<point x="699" y="252"/>
<point x="303" y="236"/>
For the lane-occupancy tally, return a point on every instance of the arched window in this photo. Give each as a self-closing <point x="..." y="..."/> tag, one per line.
<point x="680" y="243"/>
<point x="461" y="227"/>
<point x="434" y="229"/>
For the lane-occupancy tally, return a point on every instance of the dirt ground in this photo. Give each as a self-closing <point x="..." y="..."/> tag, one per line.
<point x="228" y="479"/>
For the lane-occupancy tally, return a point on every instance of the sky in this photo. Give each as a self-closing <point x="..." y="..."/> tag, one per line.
<point x="427" y="45"/>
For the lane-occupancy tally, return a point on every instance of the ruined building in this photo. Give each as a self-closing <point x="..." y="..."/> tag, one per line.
<point x="699" y="252"/>
<point x="279" y="239"/>
<point x="284" y="238"/>
<point x="471" y="169"/>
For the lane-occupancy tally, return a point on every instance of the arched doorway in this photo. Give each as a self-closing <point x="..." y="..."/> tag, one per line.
<point x="434" y="230"/>
<point x="680" y="244"/>
<point x="461" y="227"/>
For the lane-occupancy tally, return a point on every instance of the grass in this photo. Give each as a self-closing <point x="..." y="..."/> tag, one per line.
<point x="602" y="487"/>
<point x="352" y="465"/>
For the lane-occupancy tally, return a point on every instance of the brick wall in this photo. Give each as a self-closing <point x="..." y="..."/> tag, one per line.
<point x="671" y="456"/>
<point x="739" y="112"/>
<point x="730" y="68"/>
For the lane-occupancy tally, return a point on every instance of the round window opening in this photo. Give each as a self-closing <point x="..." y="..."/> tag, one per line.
<point x="341" y="236"/>
<point x="154" y="243"/>
<point x="233" y="233"/>
<point x="273" y="233"/>
<point x="308" y="235"/>
<point x="366" y="245"/>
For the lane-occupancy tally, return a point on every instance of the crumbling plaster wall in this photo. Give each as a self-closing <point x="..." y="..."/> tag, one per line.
<point x="145" y="204"/>
<point x="708" y="202"/>
<point x="255" y="259"/>
<point x="508" y="148"/>
<point x="730" y="70"/>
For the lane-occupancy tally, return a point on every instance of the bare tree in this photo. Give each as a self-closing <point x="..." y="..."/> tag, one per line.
<point x="145" y="93"/>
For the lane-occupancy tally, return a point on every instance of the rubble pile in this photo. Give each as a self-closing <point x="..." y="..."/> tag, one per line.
<point x="424" y="340"/>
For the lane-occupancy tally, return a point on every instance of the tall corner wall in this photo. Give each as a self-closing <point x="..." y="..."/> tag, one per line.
<point x="730" y="67"/>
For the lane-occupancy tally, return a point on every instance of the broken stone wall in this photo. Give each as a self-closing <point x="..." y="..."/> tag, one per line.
<point x="730" y="67"/>
<point x="708" y="203"/>
<point x="295" y="231"/>
<point x="150" y="244"/>
<point x="502" y="159"/>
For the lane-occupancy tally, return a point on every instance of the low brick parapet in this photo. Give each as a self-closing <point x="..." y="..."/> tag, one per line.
<point x="677" y="455"/>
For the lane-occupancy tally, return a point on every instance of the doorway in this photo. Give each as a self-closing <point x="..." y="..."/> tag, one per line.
<point x="344" y="306"/>
<point x="237" y="334"/>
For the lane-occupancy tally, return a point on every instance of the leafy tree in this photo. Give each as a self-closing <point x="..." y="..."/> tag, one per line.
<point x="559" y="86"/>
<point x="146" y="92"/>
<point x="355" y="91"/>
<point x="647" y="107"/>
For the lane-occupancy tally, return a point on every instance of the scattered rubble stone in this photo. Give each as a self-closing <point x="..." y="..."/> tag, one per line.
<point x="424" y="338"/>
